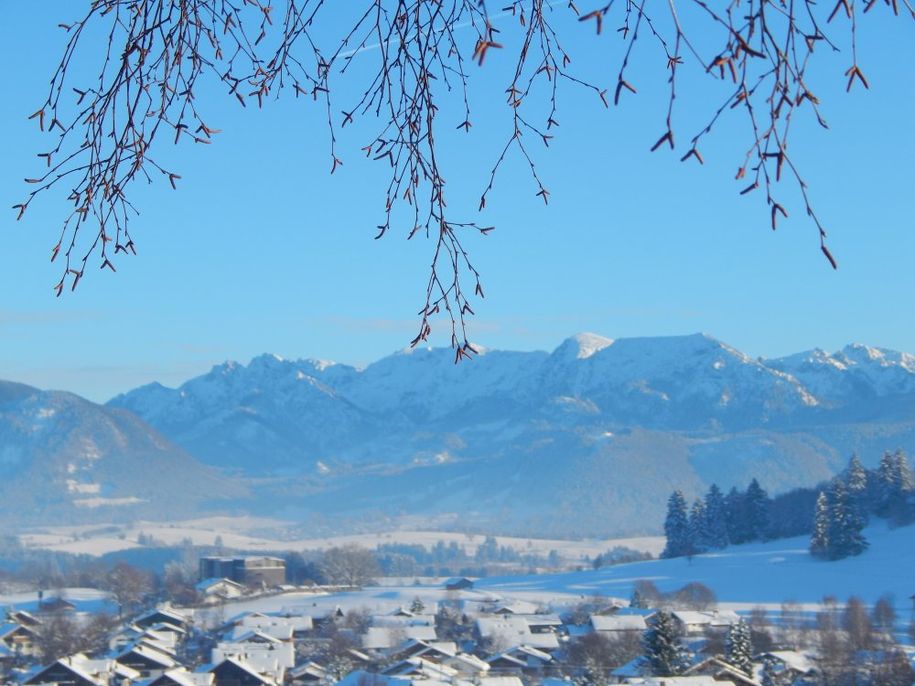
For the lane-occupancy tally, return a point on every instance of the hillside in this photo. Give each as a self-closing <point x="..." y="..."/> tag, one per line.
<point x="753" y="574"/>
<point x="63" y="458"/>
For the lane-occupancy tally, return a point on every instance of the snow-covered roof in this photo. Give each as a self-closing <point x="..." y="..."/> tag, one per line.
<point x="252" y="666"/>
<point x="514" y="631"/>
<point x="793" y="659"/>
<point x="465" y="662"/>
<point x="422" y="667"/>
<point x="515" y="607"/>
<point x="264" y="634"/>
<point x="310" y="668"/>
<point x="709" y="618"/>
<point x="214" y="582"/>
<point x="181" y="676"/>
<point x="150" y="653"/>
<point x="382" y="637"/>
<point x="618" y="623"/>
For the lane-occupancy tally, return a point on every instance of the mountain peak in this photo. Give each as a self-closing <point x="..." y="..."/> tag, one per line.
<point x="582" y="345"/>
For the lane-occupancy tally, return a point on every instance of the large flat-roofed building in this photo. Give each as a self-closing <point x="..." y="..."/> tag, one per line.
<point x="251" y="571"/>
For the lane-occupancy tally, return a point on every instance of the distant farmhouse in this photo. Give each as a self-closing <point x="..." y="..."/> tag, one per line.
<point x="265" y="572"/>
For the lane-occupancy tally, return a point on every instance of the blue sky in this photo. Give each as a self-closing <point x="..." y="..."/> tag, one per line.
<point x="261" y="249"/>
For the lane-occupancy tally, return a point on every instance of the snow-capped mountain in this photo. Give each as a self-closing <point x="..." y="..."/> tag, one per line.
<point x="855" y="375"/>
<point x="64" y="457"/>
<point x="588" y="438"/>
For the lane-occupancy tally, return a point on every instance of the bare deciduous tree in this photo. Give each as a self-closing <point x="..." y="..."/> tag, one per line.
<point x="128" y="585"/>
<point x="349" y="565"/>
<point x="416" y="60"/>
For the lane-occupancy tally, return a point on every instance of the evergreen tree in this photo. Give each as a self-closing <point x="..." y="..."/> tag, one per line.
<point x="855" y="476"/>
<point x="886" y="484"/>
<point x="819" y="541"/>
<point x="738" y="648"/>
<point x="856" y="483"/>
<point x="676" y="526"/>
<point x="845" y="524"/>
<point x="664" y="650"/>
<point x="716" y="519"/>
<point x="735" y="513"/>
<point x="757" y="511"/>
<point x="698" y="528"/>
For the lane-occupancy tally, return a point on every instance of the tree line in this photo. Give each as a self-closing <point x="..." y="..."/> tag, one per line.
<point x="834" y="514"/>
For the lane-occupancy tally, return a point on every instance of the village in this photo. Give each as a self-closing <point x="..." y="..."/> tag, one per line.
<point x="249" y="628"/>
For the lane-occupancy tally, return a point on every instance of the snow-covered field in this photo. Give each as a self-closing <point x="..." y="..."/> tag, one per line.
<point x="743" y="577"/>
<point x="261" y="534"/>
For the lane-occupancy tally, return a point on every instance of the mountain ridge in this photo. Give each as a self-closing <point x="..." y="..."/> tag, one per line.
<point x="588" y="439"/>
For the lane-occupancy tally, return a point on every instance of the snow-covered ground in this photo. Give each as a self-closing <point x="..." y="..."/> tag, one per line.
<point x="261" y="534"/>
<point x="85" y="599"/>
<point x="743" y="577"/>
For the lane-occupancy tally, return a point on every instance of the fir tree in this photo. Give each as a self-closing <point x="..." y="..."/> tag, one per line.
<point x="886" y="484"/>
<point x="845" y="524"/>
<point x="855" y="476"/>
<point x="664" y="650"/>
<point x="757" y="511"/>
<point x="738" y="647"/>
<point x="676" y="526"/>
<point x="698" y="528"/>
<point x="735" y="513"/>
<point x="716" y="519"/>
<point x="819" y="541"/>
<point x="856" y="483"/>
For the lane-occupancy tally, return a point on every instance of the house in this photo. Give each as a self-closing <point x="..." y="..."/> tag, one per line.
<point x="420" y="667"/>
<point x="79" y="670"/>
<point x="515" y="607"/>
<point x="434" y="650"/>
<point x="165" y="617"/>
<point x="240" y="672"/>
<point x="19" y="638"/>
<point x="24" y="618"/>
<point x="387" y="637"/>
<point x="219" y="589"/>
<point x="55" y="604"/>
<point x="542" y="623"/>
<point x="509" y="631"/>
<point x="148" y="658"/>
<point x="300" y="625"/>
<point x="263" y="572"/>
<point x="693" y="622"/>
<point x="618" y="625"/>
<point x="460" y="583"/>
<point x="467" y="665"/>
<point x="520" y="658"/>
<point x="721" y="670"/>
<point x="308" y="673"/>
<point x="256" y="645"/>
<point x="789" y="665"/>
<point x="180" y="676"/>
